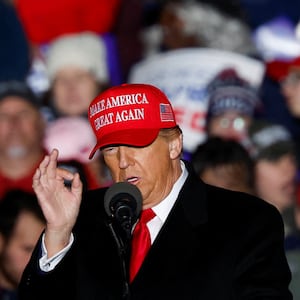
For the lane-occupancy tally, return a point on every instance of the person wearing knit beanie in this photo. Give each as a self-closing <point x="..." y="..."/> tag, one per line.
<point x="84" y="50"/>
<point x="232" y="104"/>
<point x="77" y="70"/>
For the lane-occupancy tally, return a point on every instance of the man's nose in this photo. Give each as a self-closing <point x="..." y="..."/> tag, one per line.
<point x="124" y="157"/>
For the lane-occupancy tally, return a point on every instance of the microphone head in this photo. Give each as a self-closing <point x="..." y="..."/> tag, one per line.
<point x="123" y="198"/>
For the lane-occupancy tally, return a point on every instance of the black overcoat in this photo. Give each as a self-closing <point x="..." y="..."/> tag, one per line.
<point x="216" y="244"/>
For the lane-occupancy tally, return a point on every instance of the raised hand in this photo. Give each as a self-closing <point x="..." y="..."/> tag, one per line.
<point x="59" y="203"/>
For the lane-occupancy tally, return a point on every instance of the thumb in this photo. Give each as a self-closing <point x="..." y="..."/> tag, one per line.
<point x="76" y="186"/>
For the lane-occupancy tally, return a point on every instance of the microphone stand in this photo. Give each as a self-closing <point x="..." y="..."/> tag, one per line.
<point x="123" y="204"/>
<point x="123" y="257"/>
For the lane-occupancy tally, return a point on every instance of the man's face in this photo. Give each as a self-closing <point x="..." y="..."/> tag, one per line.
<point x="275" y="181"/>
<point x="153" y="169"/>
<point x="16" y="251"/>
<point x="291" y="92"/>
<point x="21" y="127"/>
<point x="229" y="125"/>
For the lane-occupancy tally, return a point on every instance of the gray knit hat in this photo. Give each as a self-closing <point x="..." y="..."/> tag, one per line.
<point x="229" y="92"/>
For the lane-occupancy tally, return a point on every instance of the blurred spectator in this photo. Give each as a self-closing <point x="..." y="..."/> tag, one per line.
<point x="21" y="136"/>
<point x="273" y="151"/>
<point x="15" y="56"/>
<point x="278" y="42"/>
<point x="232" y="105"/>
<point x="77" y="69"/>
<point x="291" y="88"/>
<point x="286" y="74"/>
<point x="63" y="134"/>
<point x="224" y="163"/>
<point x="184" y="24"/>
<point x="45" y="21"/>
<point x="141" y="26"/>
<point x="21" y="224"/>
<point x="184" y="73"/>
<point x="275" y="181"/>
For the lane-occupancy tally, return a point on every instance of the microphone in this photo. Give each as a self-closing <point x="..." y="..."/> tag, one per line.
<point x="123" y="202"/>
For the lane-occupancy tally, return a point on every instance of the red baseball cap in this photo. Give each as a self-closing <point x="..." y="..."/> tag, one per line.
<point x="279" y="69"/>
<point x="129" y="114"/>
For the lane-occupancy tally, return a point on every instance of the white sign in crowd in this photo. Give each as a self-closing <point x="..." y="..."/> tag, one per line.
<point x="183" y="75"/>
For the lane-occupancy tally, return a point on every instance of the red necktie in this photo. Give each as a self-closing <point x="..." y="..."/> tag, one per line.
<point x="141" y="242"/>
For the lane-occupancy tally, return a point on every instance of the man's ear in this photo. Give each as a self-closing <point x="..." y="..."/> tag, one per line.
<point x="175" y="147"/>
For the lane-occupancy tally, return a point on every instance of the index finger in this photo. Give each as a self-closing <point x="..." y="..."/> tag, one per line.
<point x="48" y="164"/>
<point x="52" y="165"/>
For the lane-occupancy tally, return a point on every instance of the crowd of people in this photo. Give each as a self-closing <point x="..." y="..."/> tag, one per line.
<point x="62" y="54"/>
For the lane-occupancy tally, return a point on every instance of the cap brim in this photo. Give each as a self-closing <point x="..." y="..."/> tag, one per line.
<point x="130" y="137"/>
<point x="279" y="69"/>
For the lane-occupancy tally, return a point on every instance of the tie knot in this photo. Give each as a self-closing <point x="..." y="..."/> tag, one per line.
<point x="147" y="215"/>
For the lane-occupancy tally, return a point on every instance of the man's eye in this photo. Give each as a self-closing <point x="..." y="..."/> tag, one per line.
<point x="109" y="150"/>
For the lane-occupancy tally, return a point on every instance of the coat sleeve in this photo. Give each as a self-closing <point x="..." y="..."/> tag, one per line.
<point x="59" y="283"/>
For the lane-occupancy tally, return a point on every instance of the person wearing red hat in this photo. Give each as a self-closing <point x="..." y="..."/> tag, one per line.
<point x="287" y="73"/>
<point x="205" y="242"/>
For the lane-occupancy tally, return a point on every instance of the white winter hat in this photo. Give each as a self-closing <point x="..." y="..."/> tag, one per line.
<point x="85" y="50"/>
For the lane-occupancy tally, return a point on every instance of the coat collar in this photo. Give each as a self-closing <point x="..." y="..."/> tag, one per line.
<point x="193" y="198"/>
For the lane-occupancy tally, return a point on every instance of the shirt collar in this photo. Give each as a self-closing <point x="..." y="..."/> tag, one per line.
<point x="164" y="207"/>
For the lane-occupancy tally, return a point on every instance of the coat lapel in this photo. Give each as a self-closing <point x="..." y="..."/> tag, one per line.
<point x="186" y="223"/>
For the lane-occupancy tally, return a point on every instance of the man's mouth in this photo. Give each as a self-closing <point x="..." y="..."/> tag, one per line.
<point x="132" y="180"/>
